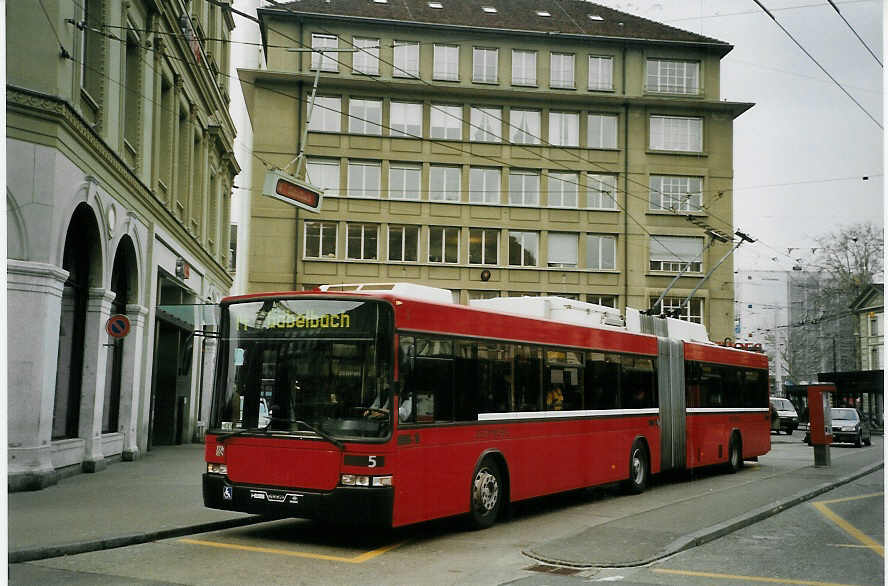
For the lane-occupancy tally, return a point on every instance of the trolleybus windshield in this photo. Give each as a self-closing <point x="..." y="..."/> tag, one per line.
<point x="305" y="366"/>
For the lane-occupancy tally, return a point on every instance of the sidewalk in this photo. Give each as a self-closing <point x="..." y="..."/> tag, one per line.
<point x="159" y="496"/>
<point x="155" y="497"/>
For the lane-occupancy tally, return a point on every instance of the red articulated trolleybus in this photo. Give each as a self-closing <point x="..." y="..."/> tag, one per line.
<point x="390" y="404"/>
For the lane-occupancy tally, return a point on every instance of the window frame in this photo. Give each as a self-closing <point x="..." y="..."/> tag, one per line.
<point x="364" y="237"/>
<point x="404" y="237"/>
<point x="608" y="131"/>
<point x="519" y="236"/>
<point x="596" y="177"/>
<point x="689" y="314"/>
<point x="364" y="164"/>
<point x="323" y="61"/>
<point x="658" y="82"/>
<point x="405" y="68"/>
<point x="446" y="235"/>
<point x="324" y="162"/>
<point x="556" y="178"/>
<point x="365" y="61"/>
<point x="523" y="188"/>
<point x="563" y="70"/>
<point x="408" y="171"/>
<point x="322" y="253"/>
<point x="334" y="117"/>
<point x="609" y="81"/>
<point x="659" y="195"/>
<point x="524" y="80"/>
<point x="479" y="124"/>
<point x="672" y="143"/>
<point x="677" y="264"/>
<point x="517" y="132"/>
<point x="560" y="134"/>
<point x="598" y="264"/>
<point x="480" y="73"/>
<point x="446" y="193"/>
<point x="484" y="199"/>
<point x="361" y="123"/>
<point x="485" y="238"/>
<point x="445" y="113"/>
<point x="574" y="239"/>
<point x="411" y="113"/>
<point x="443" y="69"/>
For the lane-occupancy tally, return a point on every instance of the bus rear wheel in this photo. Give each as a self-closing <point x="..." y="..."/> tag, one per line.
<point x="487" y="494"/>
<point x="639" y="469"/>
<point x="735" y="454"/>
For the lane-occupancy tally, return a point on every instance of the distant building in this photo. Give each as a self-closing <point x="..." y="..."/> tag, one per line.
<point x="508" y="150"/>
<point x="119" y="170"/>
<point x="869" y="307"/>
<point x="761" y="313"/>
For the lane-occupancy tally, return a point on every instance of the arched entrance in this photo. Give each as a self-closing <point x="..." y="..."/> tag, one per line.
<point x="82" y="260"/>
<point x="124" y="286"/>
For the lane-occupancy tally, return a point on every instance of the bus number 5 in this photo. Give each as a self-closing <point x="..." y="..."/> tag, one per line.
<point x="371" y="461"/>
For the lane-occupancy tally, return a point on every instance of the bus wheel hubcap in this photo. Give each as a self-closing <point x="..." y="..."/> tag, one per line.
<point x="637" y="467"/>
<point x="486" y="490"/>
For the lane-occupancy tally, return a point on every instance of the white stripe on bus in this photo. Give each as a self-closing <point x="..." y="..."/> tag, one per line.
<point x="727" y="410"/>
<point x="564" y="414"/>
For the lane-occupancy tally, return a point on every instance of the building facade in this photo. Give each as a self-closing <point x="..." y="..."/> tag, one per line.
<point x="762" y="307"/>
<point x="119" y="170"/>
<point x="496" y="148"/>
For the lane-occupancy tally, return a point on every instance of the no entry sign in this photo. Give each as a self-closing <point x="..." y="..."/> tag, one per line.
<point x="117" y="326"/>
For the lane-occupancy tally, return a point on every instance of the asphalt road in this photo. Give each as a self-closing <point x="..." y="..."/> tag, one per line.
<point x="837" y="541"/>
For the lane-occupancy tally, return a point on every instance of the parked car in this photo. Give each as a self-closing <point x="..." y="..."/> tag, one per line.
<point x="783" y="415"/>
<point x="848" y="426"/>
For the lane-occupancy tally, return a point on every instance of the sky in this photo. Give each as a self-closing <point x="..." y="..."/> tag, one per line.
<point x="801" y="153"/>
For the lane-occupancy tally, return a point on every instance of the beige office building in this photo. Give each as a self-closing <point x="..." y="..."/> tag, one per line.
<point x="496" y="148"/>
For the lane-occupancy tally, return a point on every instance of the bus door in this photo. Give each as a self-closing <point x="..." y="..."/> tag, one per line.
<point x="427" y="486"/>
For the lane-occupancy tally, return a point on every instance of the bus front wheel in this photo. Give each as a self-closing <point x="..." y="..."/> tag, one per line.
<point x="735" y="454"/>
<point x="487" y="494"/>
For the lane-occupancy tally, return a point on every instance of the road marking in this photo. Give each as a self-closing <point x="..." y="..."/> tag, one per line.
<point x="748" y="578"/>
<point x="866" y="540"/>
<point x="367" y="556"/>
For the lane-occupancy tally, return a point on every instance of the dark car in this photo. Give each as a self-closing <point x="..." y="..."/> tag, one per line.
<point x="783" y="416"/>
<point x="847" y="427"/>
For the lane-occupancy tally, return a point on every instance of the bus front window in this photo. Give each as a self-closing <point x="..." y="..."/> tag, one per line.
<point x="296" y="364"/>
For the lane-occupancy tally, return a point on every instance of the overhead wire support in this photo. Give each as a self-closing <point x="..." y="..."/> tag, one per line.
<point x="862" y="42"/>
<point x="743" y="238"/>
<point x="817" y="63"/>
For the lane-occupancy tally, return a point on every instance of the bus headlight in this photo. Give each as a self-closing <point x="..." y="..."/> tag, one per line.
<point x="361" y="480"/>
<point x="214" y="468"/>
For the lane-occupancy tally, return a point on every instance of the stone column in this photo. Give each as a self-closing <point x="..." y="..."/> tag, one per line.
<point x="95" y="361"/>
<point x="131" y="380"/>
<point x="34" y="304"/>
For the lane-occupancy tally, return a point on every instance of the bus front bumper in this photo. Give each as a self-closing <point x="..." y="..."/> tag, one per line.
<point x="343" y="504"/>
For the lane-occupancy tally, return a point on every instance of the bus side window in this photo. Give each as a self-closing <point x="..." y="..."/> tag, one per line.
<point x="602" y="380"/>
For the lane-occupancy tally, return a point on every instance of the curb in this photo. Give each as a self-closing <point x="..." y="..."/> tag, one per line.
<point x="52" y="551"/>
<point x="713" y="532"/>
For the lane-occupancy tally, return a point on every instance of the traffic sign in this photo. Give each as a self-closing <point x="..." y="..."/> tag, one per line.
<point x="117" y="326"/>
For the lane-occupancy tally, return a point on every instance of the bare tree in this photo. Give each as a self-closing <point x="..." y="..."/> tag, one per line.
<point x="850" y="258"/>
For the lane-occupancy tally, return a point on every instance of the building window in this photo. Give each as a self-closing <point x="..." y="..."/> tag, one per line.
<point x="366" y="59"/>
<point x="563" y="189"/>
<point x="232" y="248"/>
<point x="524" y="187"/>
<point x="677" y="194"/>
<point x="361" y="243"/>
<point x="320" y="60"/>
<point x="673" y="77"/>
<point x="480" y="294"/>
<point x="403" y="243"/>
<point x="601" y="73"/>
<point x="524" y="67"/>
<point x="564" y="129"/>
<point x="443" y="244"/>
<point x="326" y="116"/>
<point x="365" y="116"/>
<point x="484" y="246"/>
<point x="561" y="70"/>
<point x="601" y="191"/>
<point x="405" y="181"/>
<point x="562" y="249"/>
<point x="676" y="253"/>
<point x="446" y="122"/>
<point x="320" y="240"/>
<point x="523" y="248"/>
<point x="444" y="183"/>
<point x="323" y="173"/>
<point x="524" y="126"/>
<point x="446" y="63"/>
<point x="487" y="125"/>
<point x="601" y="252"/>
<point x="484" y="65"/>
<point x="602" y="131"/>
<point x="406" y="120"/>
<point x="875" y="325"/>
<point x="484" y="185"/>
<point x="605" y="300"/>
<point x="406" y="59"/>
<point x="674" y="133"/>
<point x="91" y="66"/>
<point x="132" y="85"/>
<point x="675" y="307"/>
<point x="876" y="358"/>
<point x="363" y="178"/>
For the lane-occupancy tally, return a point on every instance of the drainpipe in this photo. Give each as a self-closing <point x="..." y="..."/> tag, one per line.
<point x="625" y="187"/>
